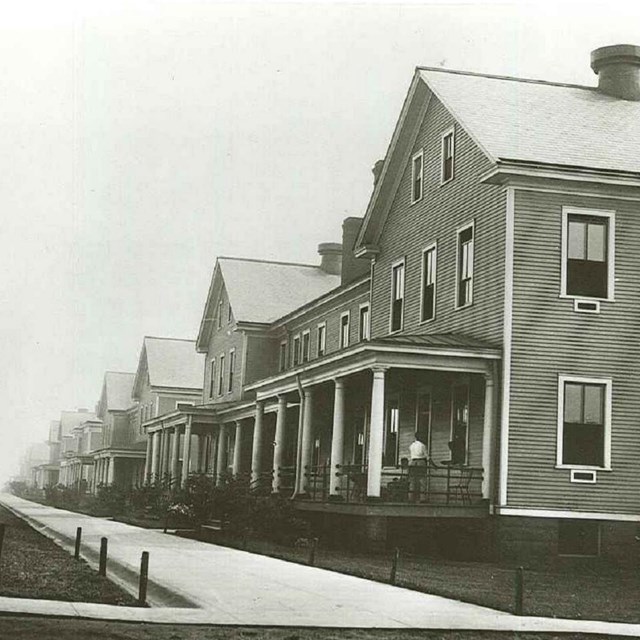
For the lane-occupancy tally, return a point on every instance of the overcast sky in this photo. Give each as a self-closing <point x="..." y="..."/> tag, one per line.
<point x="143" y="139"/>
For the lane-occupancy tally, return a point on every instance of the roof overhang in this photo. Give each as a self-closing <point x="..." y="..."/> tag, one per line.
<point x="367" y="355"/>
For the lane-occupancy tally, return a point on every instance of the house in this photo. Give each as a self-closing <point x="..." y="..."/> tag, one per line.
<point x="77" y="460"/>
<point x="32" y="461"/>
<point x="169" y="375"/>
<point x="48" y="472"/>
<point x="486" y="302"/>
<point x="120" y="457"/>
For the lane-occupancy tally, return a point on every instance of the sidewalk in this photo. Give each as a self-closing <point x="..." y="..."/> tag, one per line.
<point x="197" y="583"/>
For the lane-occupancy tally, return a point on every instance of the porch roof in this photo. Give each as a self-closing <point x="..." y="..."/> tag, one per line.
<point x="439" y="352"/>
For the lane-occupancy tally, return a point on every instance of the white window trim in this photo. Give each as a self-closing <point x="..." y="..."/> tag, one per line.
<point x="293" y="351"/>
<point x="220" y="380"/>
<point x="611" y="248"/>
<point x="367" y="334"/>
<point x="347" y="315"/>
<point x="306" y="332"/>
<point x="434" y="247"/>
<point x="230" y="373"/>
<point x="419" y="154"/>
<point x="282" y="362"/>
<point x="459" y="230"/>
<point x="607" y="421"/>
<point x="395" y="264"/>
<point x="452" y="132"/>
<point x="324" y="339"/>
<point x="213" y="379"/>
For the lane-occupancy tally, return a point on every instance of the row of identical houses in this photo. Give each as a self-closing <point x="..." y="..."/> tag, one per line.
<point x="487" y="302"/>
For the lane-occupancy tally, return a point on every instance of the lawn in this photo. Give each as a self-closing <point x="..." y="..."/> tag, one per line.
<point x="32" y="566"/>
<point x="61" y="629"/>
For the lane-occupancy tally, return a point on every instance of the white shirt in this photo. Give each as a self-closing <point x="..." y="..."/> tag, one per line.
<point x="418" y="451"/>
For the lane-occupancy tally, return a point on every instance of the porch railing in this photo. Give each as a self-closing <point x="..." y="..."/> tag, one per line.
<point x="453" y="485"/>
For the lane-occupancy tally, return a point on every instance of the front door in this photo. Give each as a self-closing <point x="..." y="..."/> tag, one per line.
<point x="459" y="423"/>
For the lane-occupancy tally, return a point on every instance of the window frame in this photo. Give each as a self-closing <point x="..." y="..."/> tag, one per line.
<point x="282" y="356"/>
<point x="393" y="398"/>
<point x="212" y="375"/>
<point x="221" y="375"/>
<point x="459" y="231"/>
<point x="219" y="314"/>
<point x="229" y="313"/>
<point x="321" y="339"/>
<point x="231" y="370"/>
<point x="607" y="412"/>
<point x="364" y="335"/>
<point x="305" y="357"/>
<point x="432" y="247"/>
<point x="295" y="350"/>
<point x="608" y="214"/>
<point x="414" y="157"/>
<point x="344" y="343"/>
<point x="398" y="263"/>
<point x="451" y="131"/>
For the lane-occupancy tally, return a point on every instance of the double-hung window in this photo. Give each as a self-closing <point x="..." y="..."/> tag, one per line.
<point x="448" y="150"/>
<point x="397" y="295"/>
<point x="221" y="376"/>
<point x="584" y="422"/>
<point x="417" y="172"/>
<point x="212" y="377"/>
<point x="283" y="356"/>
<point x="344" y="330"/>
<point x="232" y="366"/>
<point x="587" y="253"/>
<point x="464" y="281"/>
<point x="306" y="345"/>
<point x="363" y="328"/>
<point x="322" y="339"/>
<point x="428" y="307"/>
<point x="295" y="352"/>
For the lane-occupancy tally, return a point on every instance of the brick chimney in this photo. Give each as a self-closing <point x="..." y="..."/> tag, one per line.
<point x="618" y="69"/>
<point x="352" y="267"/>
<point x="331" y="257"/>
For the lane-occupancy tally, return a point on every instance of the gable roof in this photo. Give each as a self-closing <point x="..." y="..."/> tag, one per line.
<point x="542" y="122"/>
<point x="116" y="391"/>
<point x="170" y="362"/>
<point x="261" y="291"/>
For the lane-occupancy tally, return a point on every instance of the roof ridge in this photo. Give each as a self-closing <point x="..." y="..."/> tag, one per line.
<point x="122" y="373"/>
<point x="263" y="261"/>
<point x="172" y="339"/>
<point x="511" y="78"/>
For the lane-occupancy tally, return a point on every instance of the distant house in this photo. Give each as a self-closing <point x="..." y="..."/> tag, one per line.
<point x="48" y="472"/>
<point x="77" y="460"/>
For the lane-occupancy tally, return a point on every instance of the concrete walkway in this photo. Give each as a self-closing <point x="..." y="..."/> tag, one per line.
<point x="197" y="583"/>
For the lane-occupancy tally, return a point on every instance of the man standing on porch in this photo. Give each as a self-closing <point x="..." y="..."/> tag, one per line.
<point x="418" y="465"/>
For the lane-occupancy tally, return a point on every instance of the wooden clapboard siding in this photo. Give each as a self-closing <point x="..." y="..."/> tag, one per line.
<point x="549" y="339"/>
<point x="436" y="218"/>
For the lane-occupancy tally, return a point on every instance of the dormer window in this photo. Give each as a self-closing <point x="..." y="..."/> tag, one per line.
<point x="416" y="176"/>
<point x="448" y="151"/>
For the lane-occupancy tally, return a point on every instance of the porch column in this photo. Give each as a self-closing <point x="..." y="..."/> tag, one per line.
<point x="307" y="439"/>
<point x="162" y="448"/>
<point x="186" y="452"/>
<point x="256" y="451"/>
<point x="221" y="464"/>
<point x="155" y="457"/>
<point x="278" y="445"/>
<point x="147" y="461"/>
<point x="174" y="456"/>
<point x="376" y="435"/>
<point x="237" y="448"/>
<point x="337" y="438"/>
<point x="488" y="435"/>
<point x="111" y="472"/>
<point x="166" y="459"/>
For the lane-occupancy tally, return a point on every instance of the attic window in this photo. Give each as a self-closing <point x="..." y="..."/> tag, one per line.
<point x="448" y="149"/>
<point x="416" y="176"/>
<point x="219" y="314"/>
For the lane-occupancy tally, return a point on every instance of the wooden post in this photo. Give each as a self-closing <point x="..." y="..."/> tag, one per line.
<point x="144" y="579"/>
<point x="312" y="552"/>
<point x="519" y="588"/>
<point x="102" y="568"/>
<point x="76" y="553"/>
<point x="394" y="566"/>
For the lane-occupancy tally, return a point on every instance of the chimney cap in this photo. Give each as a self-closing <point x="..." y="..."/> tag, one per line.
<point x="329" y="247"/>
<point x="615" y="54"/>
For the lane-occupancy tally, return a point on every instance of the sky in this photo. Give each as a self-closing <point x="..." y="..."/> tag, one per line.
<point x="143" y="139"/>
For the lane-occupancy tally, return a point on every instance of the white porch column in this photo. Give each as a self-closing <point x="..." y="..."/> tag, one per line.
<point x="221" y="463"/>
<point x="237" y="448"/>
<point x="111" y="471"/>
<point x="161" y="453"/>
<point x="256" y="451"/>
<point x="186" y="451"/>
<point x="488" y="435"/>
<point x="376" y="435"/>
<point x="337" y="438"/>
<point x="278" y="445"/>
<point x="174" y="455"/>
<point x="307" y="439"/>
<point x="147" y="461"/>
<point x="155" y="456"/>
